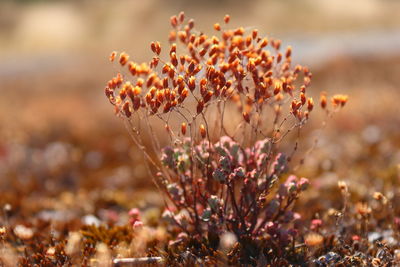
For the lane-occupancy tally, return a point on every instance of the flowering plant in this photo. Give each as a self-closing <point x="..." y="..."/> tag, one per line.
<point x="226" y="103"/>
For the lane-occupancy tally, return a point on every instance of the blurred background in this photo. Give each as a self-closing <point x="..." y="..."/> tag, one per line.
<point x="60" y="141"/>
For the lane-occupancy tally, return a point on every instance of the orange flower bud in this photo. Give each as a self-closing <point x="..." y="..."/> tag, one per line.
<point x="227" y="18"/>
<point x="303" y="98"/>
<point x="217" y="27"/>
<point x="207" y="96"/>
<point x="126" y="109"/>
<point x="239" y="31"/>
<point x="203" y="131"/>
<point x="183" y="128"/>
<point x="191" y="23"/>
<point x="254" y="34"/>
<point x="174" y="21"/>
<point x="123" y="58"/>
<point x="288" y="51"/>
<point x="185" y="93"/>
<point x="310" y="104"/>
<point x="181" y="16"/>
<point x="264" y="43"/>
<point x="192" y="83"/>
<point x="112" y="56"/>
<point x="200" y="106"/>
<point x="277" y="88"/>
<point x="279" y="58"/>
<point x="136" y="103"/>
<point x="323" y="100"/>
<point x="160" y="96"/>
<point x="174" y="59"/>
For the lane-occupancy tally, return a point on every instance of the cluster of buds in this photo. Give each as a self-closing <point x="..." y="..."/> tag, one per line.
<point x="235" y="66"/>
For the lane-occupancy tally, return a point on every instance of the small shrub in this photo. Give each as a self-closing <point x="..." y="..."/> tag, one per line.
<point x="227" y="102"/>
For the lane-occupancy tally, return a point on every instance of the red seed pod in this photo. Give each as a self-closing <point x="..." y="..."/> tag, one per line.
<point x="167" y="93"/>
<point x="174" y="21"/>
<point x="288" y="51"/>
<point x="197" y="69"/>
<point x="136" y="103"/>
<point x="179" y="79"/>
<point x="200" y="106"/>
<point x="264" y="43"/>
<point x="112" y="56"/>
<point x="254" y="34"/>
<point x="297" y="69"/>
<point x="158" y="48"/>
<point x="203" y="131"/>
<point x="191" y="23"/>
<point x="165" y="83"/>
<point x="185" y="93"/>
<point x="182" y="60"/>
<point x="153" y="91"/>
<point x="227" y="18"/>
<point x="213" y="50"/>
<point x="279" y="58"/>
<point x="217" y="27"/>
<point x="310" y="104"/>
<point x="174" y="59"/>
<point x="173" y="48"/>
<point x="171" y="73"/>
<point x="123" y="58"/>
<point x="132" y="68"/>
<point x="192" y="38"/>
<point x="153" y="47"/>
<point x="276" y="44"/>
<point x="180" y="88"/>
<point x="207" y="96"/>
<point x="239" y="31"/>
<point x="248" y="41"/>
<point x="160" y="96"/>
<point x="246" y="116"/>
<point x="181" y="16"/>
<point x="172" y="36"/>
<point x="191" y="67"/>
<point x="150" y="80"/>
<point x="303" y="98"/>
<point x="167" y="107"/>
<point x="165" y="68"/>
<point x="192" y="83"/>
<point x="109" y="93"/>
<point x="251" y="65"/>
<point x="122" y="93"/>
<point x="294" y="105"/>
<point x="182" y="36"/>
<point x="127" y="110"/>
<point x="323" y="100"/>
<point x="183" y="128"/>
<point x="140" y="82"/>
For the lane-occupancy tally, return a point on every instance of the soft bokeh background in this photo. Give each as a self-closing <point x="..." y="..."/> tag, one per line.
<point x="59" y="139"/>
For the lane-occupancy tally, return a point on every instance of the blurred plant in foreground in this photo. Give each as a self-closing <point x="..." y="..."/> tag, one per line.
<point x="227" y="103"/>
